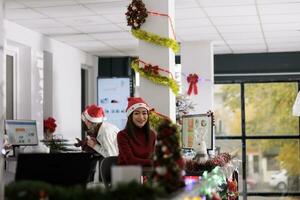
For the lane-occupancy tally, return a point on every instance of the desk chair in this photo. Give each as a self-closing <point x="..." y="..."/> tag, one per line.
<point x="105" y="169"/>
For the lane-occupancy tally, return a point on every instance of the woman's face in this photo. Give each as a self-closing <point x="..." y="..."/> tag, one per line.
<point x="140" y="117"/>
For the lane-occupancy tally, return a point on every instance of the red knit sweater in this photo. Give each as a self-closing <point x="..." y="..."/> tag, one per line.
<point x="135" y="152"/>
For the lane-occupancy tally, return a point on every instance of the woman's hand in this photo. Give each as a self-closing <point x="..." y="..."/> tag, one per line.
<point x="91" y="142"/>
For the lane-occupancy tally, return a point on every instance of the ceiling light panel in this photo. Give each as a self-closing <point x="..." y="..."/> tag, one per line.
<point x="231" y="11"/>
<point x="108" y="7"/>
<point x="239" y="28"/>
<point x="197" y="30"/>
<point x="39" y="3"/>
<point x="115" y="53"/>
<point x="283" y="39"/>
<point x="242" y="35"/>
<point x="13" y="5"/>
<point x="23" y="13"/>
<point x="249" y="41"/>
<point x="292" y="8"/>
<point x="277" y="19"/>
<point x="112" y="36"/>
<point x="196" y="37"/>
<point x="284" y="44"/>
<point x="39" y="23"/>
<point x="281" y="27"/>
<point x="124" y="27"/>
<point x="65" y="11"/>
<point x="247" y="46"/>
<point x="72" y="38"/>
<point x="132" y="42"/>
<point x="284" y="49"/>
<point x="277" y="1"/>
<point x="56" y="30"/>
<point x="102" y="1"/>
<point x="99" y="28"/>
<point x="218" y="3"/>
<point x="240" y="20"/>
<point x="179" y="4"/>
<point x="189" y="13"/>
<point x="287" y="33"/>
<point x="83" y="20"/>
<point x="186" y="23"/>
<point x="116" y="18"/>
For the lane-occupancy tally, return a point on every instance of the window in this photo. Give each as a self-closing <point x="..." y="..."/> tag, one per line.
<point x="259" y="115"/>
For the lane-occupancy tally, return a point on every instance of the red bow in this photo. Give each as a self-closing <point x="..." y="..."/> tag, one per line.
<point x="151" y="69"/>
<point x="192" y="79"/>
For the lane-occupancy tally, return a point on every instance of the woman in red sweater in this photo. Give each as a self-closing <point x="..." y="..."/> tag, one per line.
<point x="136" y="142"/>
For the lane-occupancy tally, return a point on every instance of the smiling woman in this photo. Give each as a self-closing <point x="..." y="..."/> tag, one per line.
<point x="136" y="141"/>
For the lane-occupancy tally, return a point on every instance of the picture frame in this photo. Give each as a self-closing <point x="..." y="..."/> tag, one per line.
<point x="193" y="123"/>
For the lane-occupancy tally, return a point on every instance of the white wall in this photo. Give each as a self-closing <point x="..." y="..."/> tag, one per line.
<point x="66" y="79"/>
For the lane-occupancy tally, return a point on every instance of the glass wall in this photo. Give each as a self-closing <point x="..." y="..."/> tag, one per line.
<point x="254" y="123"/>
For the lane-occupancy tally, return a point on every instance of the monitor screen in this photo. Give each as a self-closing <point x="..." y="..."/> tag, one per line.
<point x="21" y="132"/>
<point x="56" y="168"/>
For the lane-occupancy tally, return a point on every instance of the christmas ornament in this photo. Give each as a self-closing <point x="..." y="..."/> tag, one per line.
<point x="136" y="14"/>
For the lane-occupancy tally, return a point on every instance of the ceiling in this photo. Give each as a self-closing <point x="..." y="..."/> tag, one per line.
<point x="99" y="26"/>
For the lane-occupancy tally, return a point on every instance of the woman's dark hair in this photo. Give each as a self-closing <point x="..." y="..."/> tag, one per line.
<point x="130" y="127"/>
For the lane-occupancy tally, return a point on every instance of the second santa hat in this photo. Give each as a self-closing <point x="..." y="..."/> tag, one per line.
<point x="134" y="103"/>
<point x="93" y="113"/>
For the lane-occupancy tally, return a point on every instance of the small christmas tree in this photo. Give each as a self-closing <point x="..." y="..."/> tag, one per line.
<point x="168" y="162"/>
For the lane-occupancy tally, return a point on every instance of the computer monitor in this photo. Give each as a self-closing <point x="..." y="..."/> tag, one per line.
<point x="56" y="168"/>
<point x="21" y="132"/>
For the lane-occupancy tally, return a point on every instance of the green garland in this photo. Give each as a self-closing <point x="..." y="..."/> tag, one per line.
<point x="33" y="190"/>
<point x="155" y="39"/>
<point x="162" y="80"/>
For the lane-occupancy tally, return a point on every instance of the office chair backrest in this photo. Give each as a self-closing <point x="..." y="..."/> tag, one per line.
<point x="105" y="169"/>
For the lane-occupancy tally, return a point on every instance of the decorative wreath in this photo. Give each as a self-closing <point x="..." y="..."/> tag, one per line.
<point x="149" y="72"/>
<point x="136" y="14"/>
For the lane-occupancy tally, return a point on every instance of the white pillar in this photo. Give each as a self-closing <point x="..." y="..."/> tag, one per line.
<point x="37" y="89"/>
<point x="158" y="96"/>
<point x="198" y="58"/>
<point x="2" y="94"/>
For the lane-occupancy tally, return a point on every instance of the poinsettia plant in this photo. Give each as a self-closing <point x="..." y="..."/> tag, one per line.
<point x="49" y="125"/>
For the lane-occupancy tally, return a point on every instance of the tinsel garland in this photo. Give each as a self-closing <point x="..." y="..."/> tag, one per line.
<point x="156" y="39"/>
<point x="156" y="78"/>
<point x="220" y="160"/>
<point x="155" y="120"/>
<point x="34" y="190"/>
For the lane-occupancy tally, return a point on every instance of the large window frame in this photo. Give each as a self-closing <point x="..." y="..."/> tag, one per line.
<point x="243" y="138"/>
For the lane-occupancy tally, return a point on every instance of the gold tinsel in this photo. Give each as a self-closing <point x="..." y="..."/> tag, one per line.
<point x="155" y="39"/>
<point x="162" y="80"/>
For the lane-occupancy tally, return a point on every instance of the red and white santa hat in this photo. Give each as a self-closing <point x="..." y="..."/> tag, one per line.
<point x="134" y="103"/>
<point x="93" y="113"/>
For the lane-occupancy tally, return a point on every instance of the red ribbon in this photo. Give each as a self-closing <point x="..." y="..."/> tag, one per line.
<point x="165" y="15"/>
<point x="192" y="79"/>
<point x="154" y="69"/>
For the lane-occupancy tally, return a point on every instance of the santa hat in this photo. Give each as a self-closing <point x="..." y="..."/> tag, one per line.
<point x="134" y="103"/>
<point x="93" y="113"/>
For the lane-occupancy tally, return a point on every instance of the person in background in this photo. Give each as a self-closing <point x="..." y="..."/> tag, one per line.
<point x="136" y="142"/>
<point x="101" y="136"/>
